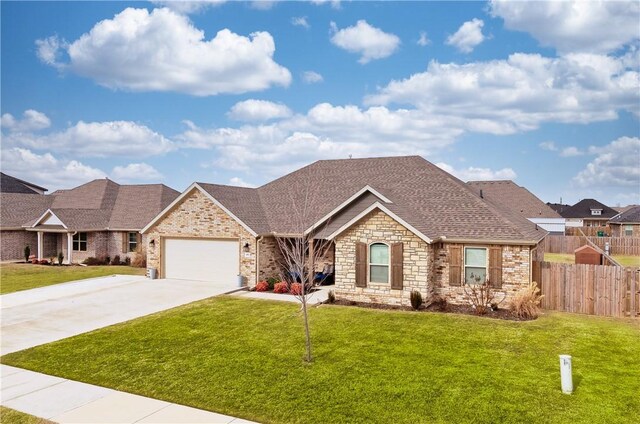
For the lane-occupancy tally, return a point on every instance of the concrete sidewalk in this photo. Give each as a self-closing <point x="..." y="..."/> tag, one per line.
<point x="67" y="401"/>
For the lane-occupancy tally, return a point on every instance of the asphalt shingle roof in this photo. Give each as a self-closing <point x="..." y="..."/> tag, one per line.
<point x="514" y="197"/>
<point x="9" y="184"/>
<point x="97" y="205"/>
<point x="431" y="200"/>
<point x="630" y="216"/>
<point x="582" y="209"/>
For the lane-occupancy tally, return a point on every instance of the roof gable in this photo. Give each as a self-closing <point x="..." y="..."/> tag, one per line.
<point x="583" y="209"/>
<point x="630" y="216"/>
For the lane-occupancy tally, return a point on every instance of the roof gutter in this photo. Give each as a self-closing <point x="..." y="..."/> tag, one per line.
<point x="445" y="239"/>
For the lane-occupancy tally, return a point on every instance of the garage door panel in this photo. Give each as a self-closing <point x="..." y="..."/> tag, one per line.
<point x="202" y="259"/>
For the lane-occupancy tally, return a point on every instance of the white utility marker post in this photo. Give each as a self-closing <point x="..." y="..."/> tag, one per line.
<point x="566" y="377"/>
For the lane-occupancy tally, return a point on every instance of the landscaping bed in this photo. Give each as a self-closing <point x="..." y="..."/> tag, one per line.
<point x="244" y="358"/>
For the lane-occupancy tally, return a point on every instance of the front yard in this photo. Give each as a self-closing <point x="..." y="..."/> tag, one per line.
<point x="19" y="276"/>
<point x="244" y="358"/>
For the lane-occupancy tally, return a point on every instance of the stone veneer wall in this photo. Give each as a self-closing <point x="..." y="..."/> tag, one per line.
<point x="379" y="227"/>
<point x="515" y="272"/>
<point x="198" y="216"/>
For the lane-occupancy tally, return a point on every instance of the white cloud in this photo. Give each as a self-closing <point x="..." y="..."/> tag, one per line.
<point x="520" y="93"/>
<point x="263" y="4"/>
<point x="300" y="21"/>
<point x="571" y="151"/>
<point x="239" y="182"/>
<point x="468" y="36"/>
<point x="548" y="145"/>
<point x="49" y="50"/>
<point x="423" y="40"/>
<point x="258" y="110"/>
<point x="187" y="7"/>
<point x="334" y="3"/>
<point x="369" y="42"/>
<point x="46" y="170"/>
<point x="135" y="172"/>
<point x="479" y="174"/>
<point x="573" y="26"/>
<point x="32" y="120"/>
<point x="312" y="77"/>
<point x="616" y="165"/>
<point x="163" y="51"/>
<point x="97" y="139"/>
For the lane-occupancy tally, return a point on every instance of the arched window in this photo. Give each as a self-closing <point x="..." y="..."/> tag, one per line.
<point x="379" y="263"/>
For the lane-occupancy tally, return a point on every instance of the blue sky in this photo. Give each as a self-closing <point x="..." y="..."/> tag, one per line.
<point x="546" y="94"/>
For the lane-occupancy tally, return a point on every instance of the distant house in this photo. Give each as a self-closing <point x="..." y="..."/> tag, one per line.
<point x="99" y="219"/>
<point x="626" y="224"/>
<point x="520" y="201"/>
<point x="588" y="213"/>
<point x="9" y="184"/>
<point x="558" y="207"/>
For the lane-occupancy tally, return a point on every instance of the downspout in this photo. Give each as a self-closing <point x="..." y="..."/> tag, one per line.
<point x="258" y="240"/>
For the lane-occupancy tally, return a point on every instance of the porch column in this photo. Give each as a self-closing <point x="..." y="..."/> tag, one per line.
<point x="40" y="245"/>
<point x="311" y="261"/>
<point x="69" y="248"/>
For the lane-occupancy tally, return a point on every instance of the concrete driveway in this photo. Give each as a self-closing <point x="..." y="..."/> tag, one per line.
<point x="42" y="315"/>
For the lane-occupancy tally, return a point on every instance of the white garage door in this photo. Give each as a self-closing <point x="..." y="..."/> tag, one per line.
<point x="204" y="260"/>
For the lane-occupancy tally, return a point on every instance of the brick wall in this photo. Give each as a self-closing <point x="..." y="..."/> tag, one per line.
<point x="198" y="216"/>
<point x="12" y="244"/>
<point x="379" y="227"/>
<point x="270" y="259"/>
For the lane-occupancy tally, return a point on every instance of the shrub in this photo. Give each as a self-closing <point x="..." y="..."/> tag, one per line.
<point x="281" y="287"/>
<point x="416" y="300"/>
<point x="91" y="261"/>
<point x="296" y="289"/>
<point x="115" y="260"/>
<point x="262" y="286"/>
<point x="331" y="297"/>
<point x="107" y="260"/>
<point x="60" y="258"/>
<point x="127" y="261"/>
<point x="272" y="281"/>
<point x="27" y="253"/>
<point x="481" y="297"/>
<point x="139" y="259"/>
<point x="43" y="262"/>
<point x="526" y="303"/>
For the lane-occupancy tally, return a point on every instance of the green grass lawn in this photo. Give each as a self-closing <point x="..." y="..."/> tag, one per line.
<point x="10" y="416"/>
<point x="20" y="276"/>
<point x="244" y="358"/>
<point x="569" y="258"/>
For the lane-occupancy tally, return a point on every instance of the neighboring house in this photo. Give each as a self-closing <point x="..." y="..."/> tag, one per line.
<point x="558" y="207"/>
<point x="588" y="213"/>
<point x="394" y="224"/>
<point x="97" y="219"/>
<point x="9" y="184"/>
<point x="520" y="201"/>
<point x="626" y="224"/>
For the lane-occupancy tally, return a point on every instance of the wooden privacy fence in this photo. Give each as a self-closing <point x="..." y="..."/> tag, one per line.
<point x="586" y="231"/>
<point x="568" y="244"/>
<point x="589" y="289"/>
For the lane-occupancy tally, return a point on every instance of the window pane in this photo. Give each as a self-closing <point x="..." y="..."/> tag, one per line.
<point x="475" y="275"/>
<point x="475" y="257"/>
<point x="132" y="237"/>
<point x="379" y="254"/>
<point x="379" y="274"/>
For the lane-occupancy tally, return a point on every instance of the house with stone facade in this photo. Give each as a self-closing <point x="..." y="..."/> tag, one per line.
<point x="392" y="225"/>
<point x="98" y="219"/>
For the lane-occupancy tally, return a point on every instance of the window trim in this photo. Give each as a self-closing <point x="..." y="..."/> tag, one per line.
<point x="78" y="243"/>
<point x="464" y="263"/>
<point x="129" y="242"/>
<point x="388" y="265"/>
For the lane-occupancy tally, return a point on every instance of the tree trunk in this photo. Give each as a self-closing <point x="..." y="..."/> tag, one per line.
<point x="308" y="357"/>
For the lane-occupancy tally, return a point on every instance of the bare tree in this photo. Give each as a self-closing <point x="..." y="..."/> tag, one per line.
<point x="301" y="251"/>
